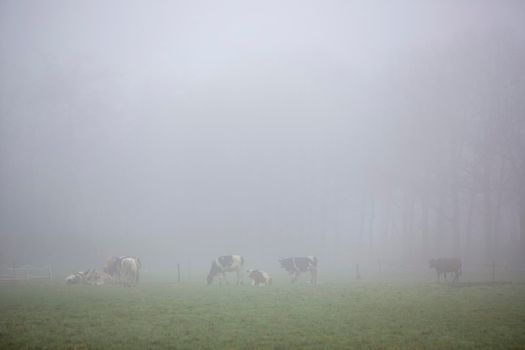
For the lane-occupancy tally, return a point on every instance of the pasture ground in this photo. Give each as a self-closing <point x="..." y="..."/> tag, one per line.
<point x="358" y="314"/>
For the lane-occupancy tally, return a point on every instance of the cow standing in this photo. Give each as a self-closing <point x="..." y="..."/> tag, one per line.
<point x="124" y="269"/>
<point x="295" y="266"/>
<point x="444" y="265"/>
<point x="259" y="277"/>
<point x="226" y="263"/>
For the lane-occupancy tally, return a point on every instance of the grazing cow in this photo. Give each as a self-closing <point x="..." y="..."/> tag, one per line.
<point x="124" y="269"/>
<point x="294" y="267"/>
<point x="259" y="277"/>
<point x="223" y="264"/>
<point x="444" y="265"/>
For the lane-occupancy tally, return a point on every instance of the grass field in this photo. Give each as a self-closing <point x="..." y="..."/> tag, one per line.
<point x="374" y="315"/>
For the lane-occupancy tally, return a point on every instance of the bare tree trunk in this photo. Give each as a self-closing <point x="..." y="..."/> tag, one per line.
<point x="408" y="226"/>
<point x="362" y="220"/>
<point x="488" y="224"/>
<point x="468" y="223"/>
<point x="455" y="222"/>
<point x="440" y="226"/>
<point x="488" y="212"/>
<point x="522" y="224"/>
<point x="497" y="229"/>
<point x="521" y="185"/>
<point x="371" y="219"/>
<point x="424" y="226"/>
<point x="390" y="224"/>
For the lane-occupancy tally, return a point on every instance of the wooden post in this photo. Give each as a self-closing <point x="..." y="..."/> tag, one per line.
<point x="178" y="273"/>
<point x="358" y="275"/>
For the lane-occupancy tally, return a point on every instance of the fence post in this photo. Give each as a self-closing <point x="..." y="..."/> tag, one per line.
<point x="358" y="275"/>
<point x="178" y="273"/>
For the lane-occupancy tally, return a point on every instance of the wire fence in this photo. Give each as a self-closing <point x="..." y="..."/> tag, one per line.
<point x="26" y="273"/>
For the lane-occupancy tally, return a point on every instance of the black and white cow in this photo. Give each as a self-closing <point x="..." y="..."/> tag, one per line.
<point x="90" y="276"/>
<point x="77" y="277"/>
<point x="259" y="278"/>
<point x="124" y="269"/>
<point x="226" y="263"/>
<point x="295" y="266"/>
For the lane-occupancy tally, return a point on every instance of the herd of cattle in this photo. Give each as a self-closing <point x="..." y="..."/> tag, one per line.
<point x="235" y="263"/>
<point x="126" y="269"/>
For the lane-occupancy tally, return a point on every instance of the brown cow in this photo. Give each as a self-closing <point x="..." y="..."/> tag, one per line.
<point x="444" y="265"/>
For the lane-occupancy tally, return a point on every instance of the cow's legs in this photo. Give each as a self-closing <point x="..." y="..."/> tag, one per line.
<point x="240" y="277"/>
<point x="313" y="272"/>
<point x="294" y="276"/>
<point x="224" y="278"/>
<point x="445" y="276"/>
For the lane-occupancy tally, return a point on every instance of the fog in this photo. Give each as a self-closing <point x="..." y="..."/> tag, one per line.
<point x="178" y="131"/>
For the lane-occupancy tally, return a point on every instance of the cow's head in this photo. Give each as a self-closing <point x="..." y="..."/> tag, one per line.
<point x="111" y="266"/>
<point x="286" y="264"/>
<point x="214" y="270"/>
<point x="72" y="279"/>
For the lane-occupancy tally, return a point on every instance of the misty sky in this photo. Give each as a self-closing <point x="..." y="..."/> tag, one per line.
<point x="211" y="127"/>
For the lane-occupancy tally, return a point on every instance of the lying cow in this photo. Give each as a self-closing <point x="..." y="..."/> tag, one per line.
<point x="444" y="265"/>
<point x="259" y="277"/>
<point x="97" y="277"/>
<point x="295" y="266"/>
<point x="90" y="276"/>
<point x="124" y="269"/>
<point x="223" y="264"/>
<point x="77" y="278"/>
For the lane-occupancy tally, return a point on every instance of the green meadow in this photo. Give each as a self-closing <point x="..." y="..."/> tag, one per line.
<point x="358" y="314"/>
